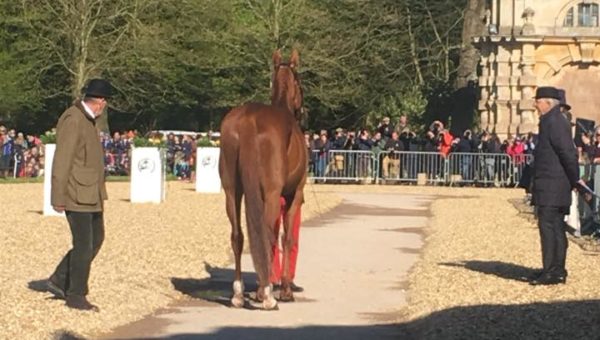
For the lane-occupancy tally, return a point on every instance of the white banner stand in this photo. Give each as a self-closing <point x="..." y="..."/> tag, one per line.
<point x="147" y="175"/>
<point x="207" y="170"/>
<point x="49" y="151"/>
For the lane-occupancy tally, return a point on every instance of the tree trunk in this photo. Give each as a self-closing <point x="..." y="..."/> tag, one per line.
<point x="473" y="26"/>
<point x="464" y="99"/>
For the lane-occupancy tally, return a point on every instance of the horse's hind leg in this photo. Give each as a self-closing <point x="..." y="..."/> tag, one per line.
<point x="291" y="225"/>
<point x="272" y="208"/>
<point x="234" y="199"/>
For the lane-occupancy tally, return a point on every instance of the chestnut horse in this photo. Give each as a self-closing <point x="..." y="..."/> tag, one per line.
<point x="263" y="158"/>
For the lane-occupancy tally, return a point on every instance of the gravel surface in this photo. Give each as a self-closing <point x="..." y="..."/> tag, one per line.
<point x="468" y="283"/>
<point x="471" y="280"/>
<point x="146" y="246"/>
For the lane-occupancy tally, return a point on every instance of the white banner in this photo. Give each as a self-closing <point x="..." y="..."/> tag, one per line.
<point x="49" y="151"/>
<point x="207" y="170"/>
<point x="147" y="176"/>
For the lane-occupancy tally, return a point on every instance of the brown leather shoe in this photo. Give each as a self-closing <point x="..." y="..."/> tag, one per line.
<point x="54" y="288"/>
<point x="80" y="303"/>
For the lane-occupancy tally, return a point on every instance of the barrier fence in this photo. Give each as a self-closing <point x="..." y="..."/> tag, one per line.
<point x="351" y="166"/>
<point x="431" y="168"/>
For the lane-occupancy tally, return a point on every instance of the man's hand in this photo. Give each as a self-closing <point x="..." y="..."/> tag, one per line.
<point x="59" y="208"/>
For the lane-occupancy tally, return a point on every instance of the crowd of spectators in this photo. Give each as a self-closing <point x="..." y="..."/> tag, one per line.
<point x="23" y="156"/>
<point x="20" y="155"/>
<point x="389" y="140"/>
<point x="180" y="152"/>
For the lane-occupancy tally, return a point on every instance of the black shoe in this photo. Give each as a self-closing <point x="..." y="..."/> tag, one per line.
<point x="296" y="289"/>
<point x="536" y="275"/>
<point x="80" y="303"/>
<point x="54" y="288"/>
<point x="548" y="279"/>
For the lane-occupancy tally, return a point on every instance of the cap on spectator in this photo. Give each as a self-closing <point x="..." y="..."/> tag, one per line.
<point x="563" y="99"/>
<point x="547" y="92"/>
<point x="99" y="88"/>
<point x="339" y="130"/>
<point x="386" y="119"/>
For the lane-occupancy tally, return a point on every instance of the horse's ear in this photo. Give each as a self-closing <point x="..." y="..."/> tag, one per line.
<point x="276" y="58"/>
<point x="295" y="58"/>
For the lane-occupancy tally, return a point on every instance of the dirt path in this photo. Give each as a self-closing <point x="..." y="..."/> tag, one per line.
<point x="352" y="263"/>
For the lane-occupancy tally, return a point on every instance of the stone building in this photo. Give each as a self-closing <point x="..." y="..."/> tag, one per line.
<point x="532" y="43"/>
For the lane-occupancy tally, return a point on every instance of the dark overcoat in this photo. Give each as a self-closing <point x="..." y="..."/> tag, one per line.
<point x="556" y="170"/>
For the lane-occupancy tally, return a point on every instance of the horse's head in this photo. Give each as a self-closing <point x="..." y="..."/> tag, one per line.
<point x="286" y="85"/>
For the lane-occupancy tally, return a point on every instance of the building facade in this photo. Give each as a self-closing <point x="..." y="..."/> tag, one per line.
<point x="531" y="43"/>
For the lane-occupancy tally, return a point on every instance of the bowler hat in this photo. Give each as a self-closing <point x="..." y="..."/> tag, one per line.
<point x="99" y="88"/>
<point x="563" y="99"/>
<point x="547" y="92"/>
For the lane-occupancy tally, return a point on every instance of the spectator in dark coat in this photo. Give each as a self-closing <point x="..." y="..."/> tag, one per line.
<point x="339" y="140"/>
<point x="556" y="173"/>
<point x="322" y="147"/>
<point x="391" y="159"/>
<point x="385" y="128"/>
<point x="466" y="145"/>
<point x="365" y="143"/>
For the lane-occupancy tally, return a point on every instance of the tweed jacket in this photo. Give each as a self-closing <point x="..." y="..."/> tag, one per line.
<point x="78" y="166"/>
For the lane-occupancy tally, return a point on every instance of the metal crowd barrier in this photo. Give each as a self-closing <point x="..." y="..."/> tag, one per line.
<point x="343" y="166"/>
<point x="417" y="167"/>
<point x="487" y="168"/>
<point x="412" y="167"/>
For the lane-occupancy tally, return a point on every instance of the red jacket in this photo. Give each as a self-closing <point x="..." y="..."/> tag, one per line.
<point x="446" y="143"/>
<point x="516" y="152"/>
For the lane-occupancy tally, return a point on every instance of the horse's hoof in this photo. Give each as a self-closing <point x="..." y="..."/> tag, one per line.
<point x="237" y="301"/>
<point x="270" y="304"/>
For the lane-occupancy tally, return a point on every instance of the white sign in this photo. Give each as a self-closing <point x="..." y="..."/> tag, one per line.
<point x="147" y="176"/>
<point x="207" y="170"/>
<point x="49" y="151"/>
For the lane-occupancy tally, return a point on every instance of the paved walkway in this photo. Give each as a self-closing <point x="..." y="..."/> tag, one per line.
<point x="353" y="263"/>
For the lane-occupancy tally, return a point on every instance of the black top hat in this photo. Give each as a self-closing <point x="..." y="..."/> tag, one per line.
<point x="99" y="88"/>
<point x="563" y="99"/>
<point x="547" y="92"/>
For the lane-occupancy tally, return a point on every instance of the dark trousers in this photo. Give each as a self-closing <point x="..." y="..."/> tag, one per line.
<point x="553" y="238"/>
<point x="73" y="271"/>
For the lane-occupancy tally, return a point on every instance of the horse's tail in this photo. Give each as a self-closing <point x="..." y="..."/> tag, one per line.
<point x="249" y="167"/>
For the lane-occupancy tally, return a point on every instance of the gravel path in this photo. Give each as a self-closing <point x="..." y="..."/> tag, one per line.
<point x="352" y="263"/>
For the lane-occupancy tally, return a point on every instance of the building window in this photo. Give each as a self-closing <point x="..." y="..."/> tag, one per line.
<point x="587" y="15"/>
<point x="569" y="18"/>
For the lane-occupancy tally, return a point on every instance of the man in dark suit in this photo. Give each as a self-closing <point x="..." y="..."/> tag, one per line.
<point x="78" y="189"/>
<point x="556" y="173"/>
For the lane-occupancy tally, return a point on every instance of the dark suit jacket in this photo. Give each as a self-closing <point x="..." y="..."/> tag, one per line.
<point x="78" y="166"/>
<point x="556" y="166"/>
